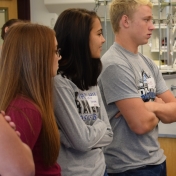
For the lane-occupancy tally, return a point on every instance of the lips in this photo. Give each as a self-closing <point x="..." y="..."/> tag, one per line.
<point x="149" y="35"/>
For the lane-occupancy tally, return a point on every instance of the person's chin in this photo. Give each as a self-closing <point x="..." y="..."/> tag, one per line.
<point x="97" y="57"/>
<point x="144" y="42"/>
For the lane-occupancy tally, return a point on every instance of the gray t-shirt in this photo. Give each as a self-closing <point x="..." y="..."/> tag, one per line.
<point x="84" y="128"/>
<point x="127" y="75"/>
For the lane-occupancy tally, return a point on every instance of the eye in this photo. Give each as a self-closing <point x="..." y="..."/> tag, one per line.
<point x="101" y="33"/>
<point x="57" y="51"/>
<point x="147" y="20"/>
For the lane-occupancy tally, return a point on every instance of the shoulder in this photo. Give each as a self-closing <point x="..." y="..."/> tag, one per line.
<point x="22" y="110"/>
<point x="27" y="117"/>
<point x="63" y="82"/>
<point x="93" y="89"/>
<point x="21" y="103"/>
<point x="22" y="107"/>
<point x="114" y="57"/>
<point x="149" y="62"/>
<point x="113" y="51"/>
<point x="59" y="80"/>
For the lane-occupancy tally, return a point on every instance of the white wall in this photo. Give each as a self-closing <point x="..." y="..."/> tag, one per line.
<point x="40" y="14"/>
<point x="2" y="21"/>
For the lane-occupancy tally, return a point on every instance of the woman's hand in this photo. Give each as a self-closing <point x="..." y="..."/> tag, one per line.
<point x="12" y="124"/>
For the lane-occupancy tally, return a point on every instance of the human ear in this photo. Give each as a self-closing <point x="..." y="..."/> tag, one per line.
<point x="6" y="29"/>
<point x="125" y="20"/>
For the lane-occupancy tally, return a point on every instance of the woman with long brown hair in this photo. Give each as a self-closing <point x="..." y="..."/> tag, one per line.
<point x="28" y="63"/>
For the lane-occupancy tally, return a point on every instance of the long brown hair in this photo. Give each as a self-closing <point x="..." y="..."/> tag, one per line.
<point x="26" y="67"/>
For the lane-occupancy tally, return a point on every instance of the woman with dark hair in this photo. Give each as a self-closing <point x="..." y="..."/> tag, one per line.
<point x="79" y="110"/>
<point x="27" y="66"/>
<point x="6" y="26"/>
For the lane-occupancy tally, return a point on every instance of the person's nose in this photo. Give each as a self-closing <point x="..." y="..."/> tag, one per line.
<point x="103" y="39"/>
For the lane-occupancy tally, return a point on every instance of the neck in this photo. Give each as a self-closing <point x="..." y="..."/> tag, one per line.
<point x="126" y="42"/>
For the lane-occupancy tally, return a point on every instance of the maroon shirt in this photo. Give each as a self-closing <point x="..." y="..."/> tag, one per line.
<point x="29" y="123"/>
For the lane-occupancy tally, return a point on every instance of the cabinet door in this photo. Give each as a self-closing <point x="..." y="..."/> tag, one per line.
<point x="169" y="147"/>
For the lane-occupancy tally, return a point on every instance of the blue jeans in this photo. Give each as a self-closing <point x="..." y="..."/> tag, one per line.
<point x="105" y="174"/>
<point x="149" y="170"/>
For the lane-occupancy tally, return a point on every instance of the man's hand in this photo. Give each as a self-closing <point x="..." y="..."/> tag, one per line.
<point x="118" y="114"/>
<point x="158" y="100"/>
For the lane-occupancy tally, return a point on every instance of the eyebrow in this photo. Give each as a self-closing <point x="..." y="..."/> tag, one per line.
<point x="100" y="30"/>
<point x="151" y="17"/>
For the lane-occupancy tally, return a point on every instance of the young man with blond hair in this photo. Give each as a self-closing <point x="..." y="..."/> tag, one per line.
<point x="132" y="85"/>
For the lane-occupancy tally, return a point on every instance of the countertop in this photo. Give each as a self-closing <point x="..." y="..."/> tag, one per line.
<point x="169" y="76"/>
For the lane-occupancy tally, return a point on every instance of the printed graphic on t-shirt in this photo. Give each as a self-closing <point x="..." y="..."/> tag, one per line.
<point x="88" y="106"/>
<point x="147" y="87"/>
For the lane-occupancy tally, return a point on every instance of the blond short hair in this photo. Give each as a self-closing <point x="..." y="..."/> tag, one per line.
<point x="118" y="8"/>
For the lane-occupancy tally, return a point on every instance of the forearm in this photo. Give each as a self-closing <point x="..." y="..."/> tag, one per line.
<point x="87" y="137"/>
<point x="19" y="164"/>
<point x="144" y="125"/>
<point x="15" y="153"/>
<point x="26" y="167"/>
<point x="166" y="112"/>
<point x="107" y="139"/>
<point x="63" y="140"/>
<point x="137" y="114"/>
